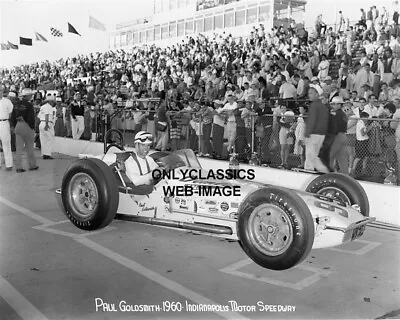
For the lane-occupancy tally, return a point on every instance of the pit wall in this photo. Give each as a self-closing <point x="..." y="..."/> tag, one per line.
<point x="384" y="199"/>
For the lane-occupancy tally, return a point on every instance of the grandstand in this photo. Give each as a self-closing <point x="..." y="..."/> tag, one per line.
<point x="174" y="20"/>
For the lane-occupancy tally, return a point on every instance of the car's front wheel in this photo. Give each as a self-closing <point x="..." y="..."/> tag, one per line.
<point x="276" y="230"/>
<point x="90" y="194"/>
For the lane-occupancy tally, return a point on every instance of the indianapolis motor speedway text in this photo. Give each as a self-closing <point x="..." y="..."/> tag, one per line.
<point x="170" y="306"/>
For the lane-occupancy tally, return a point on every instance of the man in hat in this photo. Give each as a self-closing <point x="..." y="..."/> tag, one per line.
<point x="139" y="166"/>
<point x="338" y="151"/>
<point x="6" y="108"/>
<point x="46" y="127"/>
<point x="23" y="122"/>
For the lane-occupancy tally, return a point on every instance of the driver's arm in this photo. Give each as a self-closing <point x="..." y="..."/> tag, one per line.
<point x="133" y="173"/>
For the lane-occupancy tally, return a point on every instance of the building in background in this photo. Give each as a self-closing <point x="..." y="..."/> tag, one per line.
<point x="174" y="20"/>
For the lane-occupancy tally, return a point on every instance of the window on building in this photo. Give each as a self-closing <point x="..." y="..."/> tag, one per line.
<point x="172" y="29"/>
<point x="142" y="36"/>
<point x="164" y="32"/>
<point x="157" y="32"/>
<point x="181" y="28"/>
<point x="199" y="25"/>
<point x="135" y="37"/>
<point x="264" y="13"/>
<point x="240" y="18"/>
<point x="208" y="24"/>
<point x="189" y="27"/>
<point x="181" y="4"/>
<point x="229" y="19"/>
<point x="130" y="38"/>
<point x="173" y="4"/>
<point x="252" y="15"/>
<point x="150" y="34"/>
<point x="218" y="22"/>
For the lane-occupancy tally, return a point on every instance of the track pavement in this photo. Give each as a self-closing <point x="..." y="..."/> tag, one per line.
<point x="51" y="270"/>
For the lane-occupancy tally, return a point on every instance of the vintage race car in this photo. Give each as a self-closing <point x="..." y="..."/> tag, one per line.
<point x="275" y="226"/>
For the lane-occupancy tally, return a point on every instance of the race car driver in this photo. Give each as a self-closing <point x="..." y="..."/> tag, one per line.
<point x="139" y="165"/>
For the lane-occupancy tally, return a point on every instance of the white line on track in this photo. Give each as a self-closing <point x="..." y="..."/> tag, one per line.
<point x="130" y="264"/>
<point x="18" y="302"/>
<point x="26" y="212"/>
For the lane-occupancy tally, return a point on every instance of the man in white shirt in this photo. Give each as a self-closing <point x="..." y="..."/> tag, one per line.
<point x="287" y="90"/>
<point x="46" y="127"/>
<point x="6" y="107"/>
<point x="371" y="108"/>
<point x="140" y="166"/>
<point x="228" y="109"/>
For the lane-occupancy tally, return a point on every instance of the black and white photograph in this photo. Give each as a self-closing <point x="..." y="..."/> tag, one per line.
<point x="199" y="159"/>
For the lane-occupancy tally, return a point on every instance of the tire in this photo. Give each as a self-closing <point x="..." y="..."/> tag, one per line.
<point x="346" y="189"/>
<point x="101" y="181"/>
<point x="297" y="228"/>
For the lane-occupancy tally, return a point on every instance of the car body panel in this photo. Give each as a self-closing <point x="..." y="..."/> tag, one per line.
<point x="335" y="222"/>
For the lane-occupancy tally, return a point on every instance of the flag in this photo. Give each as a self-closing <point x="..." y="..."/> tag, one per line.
<point x="25" y="41"/>
<point x="4" y="46"/>
<point x="96" y="24"/>
<point x="12" y="46"/>
<point x="56" y="33"/>
<point x="71" y="29"/>
<point x="39" y="37"/>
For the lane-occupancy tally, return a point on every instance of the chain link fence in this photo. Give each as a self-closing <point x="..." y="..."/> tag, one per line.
<point x="266" y="140"/>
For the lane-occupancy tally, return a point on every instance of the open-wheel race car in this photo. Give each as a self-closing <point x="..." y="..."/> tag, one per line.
<point x="276" y="227"/>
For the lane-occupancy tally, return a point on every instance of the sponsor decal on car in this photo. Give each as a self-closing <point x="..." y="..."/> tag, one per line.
<point x="166" y="199"/>
<point x="213" y="210"/>
<point x="234" y="205"/>
<point x="177" y="200"/>
<point x="210" y="202"/>
<point x="224" y="206"/>
<point x="233" y="215"/>
<point x="183" y="202"/>
<point x="184" y="207"/>
<point x="145" y="208"/>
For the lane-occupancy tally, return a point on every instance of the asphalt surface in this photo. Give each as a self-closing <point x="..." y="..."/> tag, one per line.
<point x="51" y="270"/>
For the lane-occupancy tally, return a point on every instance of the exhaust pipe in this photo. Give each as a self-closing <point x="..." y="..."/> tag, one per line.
<point x="176" y="224"/>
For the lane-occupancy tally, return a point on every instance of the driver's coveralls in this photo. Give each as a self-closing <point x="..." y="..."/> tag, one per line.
<point x="139" y="170"/>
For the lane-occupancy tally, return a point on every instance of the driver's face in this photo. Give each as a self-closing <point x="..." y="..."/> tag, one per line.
<point x="142" y="149"/>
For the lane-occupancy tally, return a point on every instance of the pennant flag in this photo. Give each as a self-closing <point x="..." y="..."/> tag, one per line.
<point x="4" y="46"/>
<point x="12" y="46"/>
<point x="96" y="24"/>
<point x="55" y="33"/>
<point x="39" y="37"/>
<point x="25" y="41"/>
<point x="71" y="29"/>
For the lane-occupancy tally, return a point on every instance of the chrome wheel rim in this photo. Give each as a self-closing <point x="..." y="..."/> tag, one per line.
<point x="83" y="195"/>
<point x="335" y="193"/>
<point x="271" y="230"/>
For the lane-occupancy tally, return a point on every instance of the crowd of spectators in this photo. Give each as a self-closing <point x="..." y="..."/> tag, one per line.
<point x="221" y="93"/>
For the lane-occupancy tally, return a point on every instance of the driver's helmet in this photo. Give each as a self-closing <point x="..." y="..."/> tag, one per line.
<point x="144" y="137"/>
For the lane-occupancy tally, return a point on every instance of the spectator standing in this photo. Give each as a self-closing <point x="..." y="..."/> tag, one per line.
<point x="228" y="110"/>
<point x="362" y="129"/>
<point x="316" y="129"/>
<point x="162" y="127"/>
<point x="396" y="126"/>
<point x="77" y="117"/>
<point x="23" y="122"/>
<point x="46" y="127"/>
<point x="385" y="67"/>
<point x="59" y="127"/>
<point x="338" y="152"/>
<point x="6" y="108"/>
<point x="323" y="68"/>
<point x="218" y="129"/>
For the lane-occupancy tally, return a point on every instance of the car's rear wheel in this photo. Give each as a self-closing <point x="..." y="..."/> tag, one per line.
<point x="343" y="188"/>
<point x="90" y="194"/>
<point x="276" y="229"/>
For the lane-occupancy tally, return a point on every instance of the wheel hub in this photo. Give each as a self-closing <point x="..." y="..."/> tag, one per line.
<point x="83" y="194"/>
<point x="335" y="193"/>
<point x="270" y="229"/>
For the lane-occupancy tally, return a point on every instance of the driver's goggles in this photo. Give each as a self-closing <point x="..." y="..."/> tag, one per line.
<point x="144" y="139"/>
